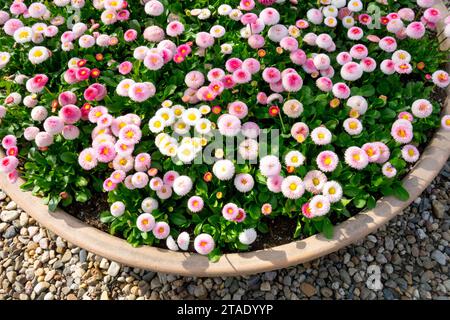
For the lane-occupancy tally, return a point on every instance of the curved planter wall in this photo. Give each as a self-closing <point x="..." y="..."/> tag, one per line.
<point x="161" y="260"/>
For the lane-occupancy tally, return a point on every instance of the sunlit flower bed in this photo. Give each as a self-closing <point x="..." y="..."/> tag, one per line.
<point x="204" y="120"/>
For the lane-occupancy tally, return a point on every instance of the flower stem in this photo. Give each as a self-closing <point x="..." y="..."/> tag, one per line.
<point x="282" y="122"/>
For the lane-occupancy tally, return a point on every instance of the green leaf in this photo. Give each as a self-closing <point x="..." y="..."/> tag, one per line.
<point x="170" y="89"/>
<point x="214" y="255"/>
<point x="68" y="157"/>
<point x="298" y="229"/>
<point x="201" y="187"/>
<point x="371" y="202"/>
<point x="53" y="202"/>
<point x="351" y="191"/>
<point x="254" y="211"/>
<point x="359" y="203"/>
<point x="388" y="113"/>
<point x="198" y="229"/>
<point x="367" y="90"/>
<point x="263" y="228"/>
<point x="81" y="196"/>
<point x="106" y="217"/>
<point x="178" y="219"/>
<point x="400" y="193"/>
<point x="81" y="182"/>
<point x="327" y="229"/>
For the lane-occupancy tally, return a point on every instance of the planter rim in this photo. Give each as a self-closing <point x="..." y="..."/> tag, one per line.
<point x="189" y="264"/>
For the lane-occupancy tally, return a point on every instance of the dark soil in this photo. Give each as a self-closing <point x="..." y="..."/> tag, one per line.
<point x="89" y="212"/>
<point x="281" y="230"/>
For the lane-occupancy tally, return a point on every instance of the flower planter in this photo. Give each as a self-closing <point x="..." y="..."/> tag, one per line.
<point x="161" y="260"/>
<point x="183" y="263"/>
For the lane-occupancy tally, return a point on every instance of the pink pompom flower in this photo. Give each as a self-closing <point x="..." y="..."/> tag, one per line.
<point x="145" y="222"/>
<point x="204" y="244"/>
<point x="195" y="204"/>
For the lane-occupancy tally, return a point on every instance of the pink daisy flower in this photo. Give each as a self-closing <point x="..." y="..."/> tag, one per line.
<point x="233" y="64"/>
<point x="230" y="211"/>
<point x="204" y="244"/>
<point x="445" y="122"/>
<point x="105" y="152"/>
<point x="388" y="44"/>
<point x="389" y="170"/>
<point x="274" y="183"/>
<point x="314" y="181"/>
<point x="356" y="158"/>
<point x="341" y="90"/>
<point x="292" y="187"/>
<point x="387" y="66"/>
<point x="271" y="75"/>
<point x="352" y="71"/>
<point x="292" y="82"/>
<point x="9" y="141"/>
<point x="359" y="51"/>
<point x="139" y="180"/>
<point x="421" y="108"/>
<point x="343" y="57"/>
<point x="195" y="204"/>
<point x="169" y="177"/>
<point x="140" y="92"/>
<point x="88" y="159"/>
<point x="415" y="30"/>
<point x="156" y="183"/>
<point x="327" y="161"/>
<point x="324" y="84"/>
<point x="372" y="151"/>
<point x="174" y="29"/>
<point x="238" y="109"/>
<point x="352" y="126"/>
<point x="402" y="131"/>
<point x="242" y="76"/>
<point x="145" y="222"/>
<point x="109" y="185"/>
<point x="410" y="153"/>
<point x="161" y="230"/>
<point x="441" y="78"/>
<point x="118" y="176"/>
<point x="130" y="133"/>
<point x="319" y="206"/>
<point x="70" y="114"/>
<point x="53" y="125"/>
<point x="142" y="162"/>
<point x="8" y="164"/>
<point x="298" y="57"/>
<point x="406" y="116"/>
<point x="123" y="148"/>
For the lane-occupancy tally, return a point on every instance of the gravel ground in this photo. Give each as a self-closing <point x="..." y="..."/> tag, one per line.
<point x="407" y="259"/>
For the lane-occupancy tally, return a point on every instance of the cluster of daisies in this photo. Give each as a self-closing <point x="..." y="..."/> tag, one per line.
<point x="219" y="73"/>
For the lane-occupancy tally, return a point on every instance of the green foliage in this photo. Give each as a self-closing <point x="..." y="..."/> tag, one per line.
<point x="55" y="175"/>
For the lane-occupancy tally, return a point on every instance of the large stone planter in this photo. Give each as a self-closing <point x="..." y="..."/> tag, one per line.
<point x="355" y="228"/>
